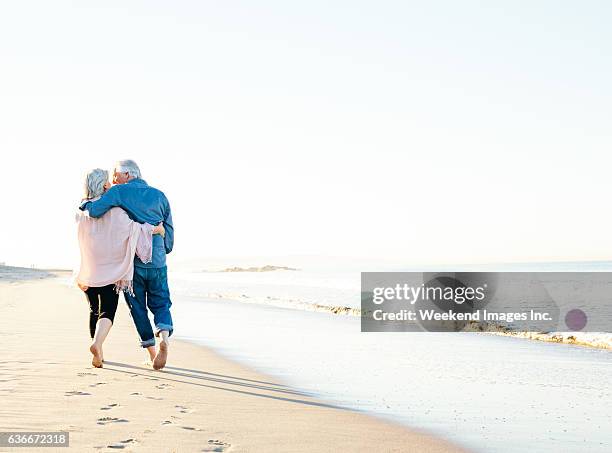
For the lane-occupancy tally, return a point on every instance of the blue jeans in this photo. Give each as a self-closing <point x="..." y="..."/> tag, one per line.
<point x="150" y="291"/>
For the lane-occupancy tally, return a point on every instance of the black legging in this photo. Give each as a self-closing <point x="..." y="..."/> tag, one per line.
<point x="102" y="304"/>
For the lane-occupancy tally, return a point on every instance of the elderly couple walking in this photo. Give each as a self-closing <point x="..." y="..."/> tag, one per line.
<point x="125" y="231"/>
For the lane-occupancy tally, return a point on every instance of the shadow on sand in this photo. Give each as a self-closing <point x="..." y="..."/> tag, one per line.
<point x="226" y="383"/>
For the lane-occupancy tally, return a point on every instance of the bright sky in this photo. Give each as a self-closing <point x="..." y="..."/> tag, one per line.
<point x="420" y="132"/>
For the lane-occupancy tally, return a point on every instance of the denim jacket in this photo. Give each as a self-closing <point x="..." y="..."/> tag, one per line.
<point x="143" y="204"/>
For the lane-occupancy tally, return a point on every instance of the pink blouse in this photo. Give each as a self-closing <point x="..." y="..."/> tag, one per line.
<point x="108" y="245"/>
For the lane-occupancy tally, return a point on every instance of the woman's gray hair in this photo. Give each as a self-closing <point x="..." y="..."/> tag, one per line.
<point x="128" y="166"/>
<point x="94" y="183"/>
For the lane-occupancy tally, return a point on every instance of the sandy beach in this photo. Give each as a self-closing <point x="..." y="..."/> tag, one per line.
<point x="200" y="402"/>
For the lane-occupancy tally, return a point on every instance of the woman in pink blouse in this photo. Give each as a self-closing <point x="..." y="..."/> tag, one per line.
<point x="108" y="245"/>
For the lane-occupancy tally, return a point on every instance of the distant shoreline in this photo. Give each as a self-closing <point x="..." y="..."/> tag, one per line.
<point x="266" y="268"/>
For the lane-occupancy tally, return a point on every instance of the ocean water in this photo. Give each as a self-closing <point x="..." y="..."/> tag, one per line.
<point x="292" y="289"/>
<point x="488" y="393"/>
<point x="308" y="288"/>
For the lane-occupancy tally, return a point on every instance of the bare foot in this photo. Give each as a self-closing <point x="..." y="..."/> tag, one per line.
<point x="160" y="359"/>
<point x="149" y="360"/>
<point x="152" y="353"/>
<point x="97" y="356"/>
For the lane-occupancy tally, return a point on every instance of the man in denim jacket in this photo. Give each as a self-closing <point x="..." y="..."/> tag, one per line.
<point x="144" y="204"/>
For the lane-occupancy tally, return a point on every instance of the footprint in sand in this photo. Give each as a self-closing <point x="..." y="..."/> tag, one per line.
<point x="108" y="420"/>
<point x="184" y="410"/>
<point x="122" y="444"/>
<point x="163" y="386"/>
<point x="109" y="407"/>
<point x="76" y="393"/>
<point x="217" y="446"/>
<point x="98" y="383"/>
<point x="190" y="428"/>
<point x="136" y="393"/>
<point x="173" y="423"/>
<point x="154" y="398"/>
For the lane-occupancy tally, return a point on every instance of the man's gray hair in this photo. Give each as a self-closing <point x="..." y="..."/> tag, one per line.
<point x="94" y="183"/>
<point x="128" y="166"/>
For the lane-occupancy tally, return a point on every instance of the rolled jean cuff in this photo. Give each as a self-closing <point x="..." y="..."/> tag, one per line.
<point x="159" y="327"/>
<point x="147" y="343"/>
